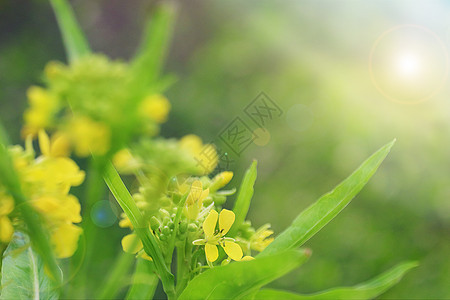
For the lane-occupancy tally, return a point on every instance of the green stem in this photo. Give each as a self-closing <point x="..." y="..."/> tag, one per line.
<point x="175" y="230"/>
<point x="95" y="191"/>
<point x="182" y="267"/>
<point x="128" y="205"/>
<point x="114" y="282"/>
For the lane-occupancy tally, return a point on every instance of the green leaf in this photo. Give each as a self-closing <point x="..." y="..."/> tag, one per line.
<point x="315" y="217"/>
<point x="23" y="275"/>
<point x="145" y="281"/>
<point x="239" y="279"/>
<point x="367" y="290"/>
<point x="244" y="197"/>
<point x="126" y="202"/>
<point x="153" y="49"/>
<point x="74" y="40"/>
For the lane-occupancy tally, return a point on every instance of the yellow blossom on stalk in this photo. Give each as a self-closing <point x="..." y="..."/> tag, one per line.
<point x="214" y="238"/>
<point x="6" y="228"/>
<point x="40" y="113"/>
<point x="89" y="136"/>
<point x="194" y="201"/>
<point x="205" y="155"/>
<point x="155" y="107"/>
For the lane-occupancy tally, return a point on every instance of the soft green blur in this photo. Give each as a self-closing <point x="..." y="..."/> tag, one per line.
<point x="312" y="58"/>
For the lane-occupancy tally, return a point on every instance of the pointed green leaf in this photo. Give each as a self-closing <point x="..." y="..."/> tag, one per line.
<point x="366" y="290"/>
<point x="315" y="217"/>
<point x="244" y="197"/>
<point x="239" y="279"/>
<point x="153" y="49"/>
<point x="74" y="40"/>
<point x="23" y="274"/>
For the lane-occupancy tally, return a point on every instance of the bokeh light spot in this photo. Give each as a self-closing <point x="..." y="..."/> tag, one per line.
<point x="263" y="136"/>
<point x="408" y="64"/>
<point x="102" y="214"/>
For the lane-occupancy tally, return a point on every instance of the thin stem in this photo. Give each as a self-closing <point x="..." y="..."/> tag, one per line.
<point x="175" y="230"/>
<point x="113" y="282"/>
<point x="183" y="260"/>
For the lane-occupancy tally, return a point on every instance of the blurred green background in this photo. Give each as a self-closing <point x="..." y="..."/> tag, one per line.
<point x="338" y="70"/>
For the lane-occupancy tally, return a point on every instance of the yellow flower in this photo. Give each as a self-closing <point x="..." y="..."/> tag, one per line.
<point x="46" y="181"/>
<point x="40" y="113"/>
<point x="125" y="222"/>
<point x="124" y="162"/>
<point x="155" y="107"/>
<point x="53" y="69"/>
<point x="64" y="238"/>
<point x="221" y="180"/>
<point x="214" y="238"/>
<point x="205" y="155"/>
<point x="194" y="201"/>
<point x="260" y="239"/>
<point x="132" y="244"/>
<point x="56" y="210"/>
<point x="6" y="228"/>
<point x="89" y="136"/>
<point x="58" y="145"/>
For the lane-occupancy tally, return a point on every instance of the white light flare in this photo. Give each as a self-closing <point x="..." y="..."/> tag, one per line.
<point x="408" y="65"/>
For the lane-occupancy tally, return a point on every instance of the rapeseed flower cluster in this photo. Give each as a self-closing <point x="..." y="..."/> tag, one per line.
<point x="170" y="177"/>
<point x="95" y="103"/>
<point x="46" y="181"/>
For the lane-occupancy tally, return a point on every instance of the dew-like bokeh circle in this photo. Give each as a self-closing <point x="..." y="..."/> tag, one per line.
<point x="408" y="64"/>
<point x="262" y="136"/>
<point x="103" y="214"/>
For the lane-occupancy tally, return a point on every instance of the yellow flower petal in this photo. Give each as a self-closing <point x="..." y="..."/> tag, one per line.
<point x="203" y="196"/>
<point x="156" y="108"/>
<point x="247" y="258"/>
<point x="192" y="211"/>
<point x="44" y="143"/>
<point x="131" y="243"/>
<point x="226" y="219"/>
<point x="145" y="256"/>
<point x="73" y="208"/>
<point x="211" y="252"/>
<point x="221" y="180"/>
<point x="125" y="222"/>
<point x="195" y="192"/>
<point x="65" y="239"/>
<point x="233" y="250"/>
<point x="6" y="205"/>
<point x="60" y="145"/>
<point x="6" y="229"/>
<point x="209" y="225"/>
